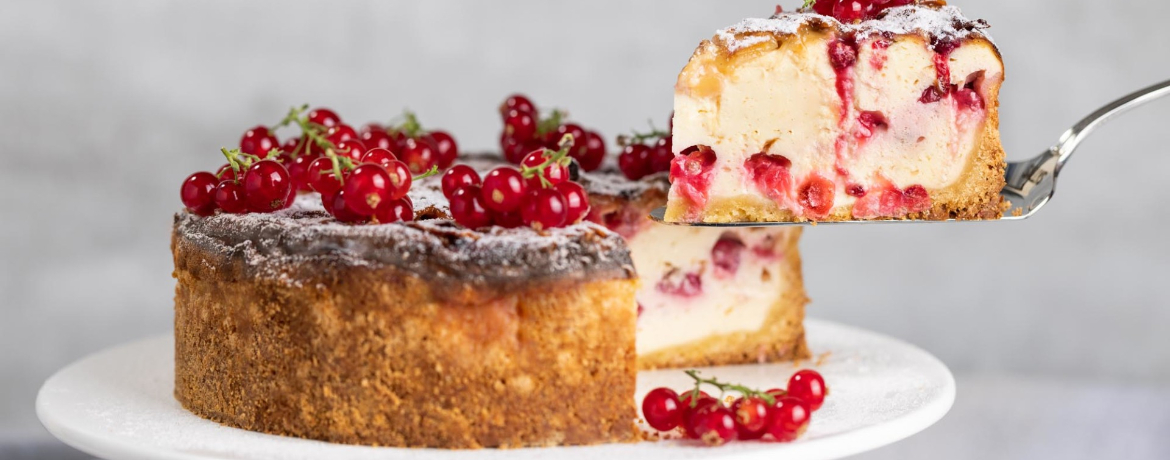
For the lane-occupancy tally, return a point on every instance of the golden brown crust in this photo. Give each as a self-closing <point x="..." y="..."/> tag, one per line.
<point x="373" y="355"/>
<point x="781" y="338"/>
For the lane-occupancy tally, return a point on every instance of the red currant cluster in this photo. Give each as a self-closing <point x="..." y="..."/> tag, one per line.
<point x="854" y="10"/>
<point x="525" y="131"/>
<point x="356" y="183"/>
<point x="646" y="154"/>
<point x="539" y="194"/>
<point x="783" y="414"/>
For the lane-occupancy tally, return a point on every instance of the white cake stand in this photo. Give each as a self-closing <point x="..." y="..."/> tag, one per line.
<point x="117" y="404"/>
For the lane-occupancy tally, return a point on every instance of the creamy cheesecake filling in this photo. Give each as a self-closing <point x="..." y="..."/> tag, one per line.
<point x="847" y="132"/>
<point x="699" y="283"/>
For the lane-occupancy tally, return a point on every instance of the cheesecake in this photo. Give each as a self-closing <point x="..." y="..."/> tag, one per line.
<point x="411" y="334"/>
<point x="809" y="117"/>
<point x="708" y="297"/>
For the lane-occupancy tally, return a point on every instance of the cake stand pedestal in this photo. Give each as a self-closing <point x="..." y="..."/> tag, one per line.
<point x="117" y="404"/>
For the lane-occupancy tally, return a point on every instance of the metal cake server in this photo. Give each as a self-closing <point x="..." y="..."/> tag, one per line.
<point x="1030" y="183"/>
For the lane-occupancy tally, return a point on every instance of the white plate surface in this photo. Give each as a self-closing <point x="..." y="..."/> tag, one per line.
<point x="117" y="404"/>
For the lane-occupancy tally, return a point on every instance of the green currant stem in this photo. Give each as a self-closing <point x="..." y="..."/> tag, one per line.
<point x="411" y="126"/>
<point x="550" y="157"/>
<point x="808" y="4"/>
<point x="233" y="158"/>
<point x="432" y="172"/>
<point x="551" y="123"/>
<point x="723" y="388"/>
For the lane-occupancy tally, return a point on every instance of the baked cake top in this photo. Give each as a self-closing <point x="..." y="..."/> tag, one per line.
<point x="303" y="242"/>
<point x="938" y="23"/>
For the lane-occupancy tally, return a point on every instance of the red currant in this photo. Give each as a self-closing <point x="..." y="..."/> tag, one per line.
<point x="816" y="196"/>
<point x="371" y="127"/>
<point x="685" y="400"/>
<point x="634" y="161"/>
<point x="321" y="177"/>
<point x="507" y="219"/>
<point x="266" y="185"/>
<point x="378" y="140"/>
<point x="340" y="209"/>
<point x="324" y="117"/>
<point x="789" y="419"/>
<point x="553" y="172"/>
<point x="399" y="210"/>
<point x="225" y="172"/>
<point x="514" y="149"/>
<point x="367" y="186"/>
<point x="400" y="179"/>
<point x="341" y="132"/>
<point x="198" y="193"/>
<point x="458" y="176"/>
<point x="808" y="386"/>
<point x="661" y="155"/>
<point x="713" y="424"/>
<point x="519" y="103"/>
<point x="446" y="150"/>
<point x="520" y="125"/>
<point x="824" y="7"/>
<point x="576" y="201"/>
<point x="229" y="196"/>
<point x="258" y="141"/>
<point x="849" y="10"/>
<point x="544" y="208"/>
<point x="419" y="155"/>
<point x="466" y="205"/>
<point x="291" y="198"/>
<point x="379" y="156"/>
<point x="751" y="417"/>
<point x="777" y="393"/>
<point x="661" y="409"/>
<point x="350" y="148"/>
<point x="292" y="146"/>
<point x="593" y="152"/>
<point x="552" y="139"/>
<point x="298" y="170"/>
<point x="503" y="189"/>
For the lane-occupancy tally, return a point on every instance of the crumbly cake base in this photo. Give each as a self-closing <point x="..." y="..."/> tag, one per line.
<point x="375" y="355"/>
<point x="781" y="338"/>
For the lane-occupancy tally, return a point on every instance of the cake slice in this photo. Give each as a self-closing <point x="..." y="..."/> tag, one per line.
<point x="708" y="297"/>
<point x="804" y="117"/>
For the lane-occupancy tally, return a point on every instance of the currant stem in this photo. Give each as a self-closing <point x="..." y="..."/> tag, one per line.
<point x="551" y="157"/>
<point x="724" y="387"/>
<point x="433" y="171"/>
<point x="411" y="127"/>
<point x="551" y="123"/>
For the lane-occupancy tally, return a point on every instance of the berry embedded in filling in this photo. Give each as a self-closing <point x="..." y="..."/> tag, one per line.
<point x="690" y="174"/>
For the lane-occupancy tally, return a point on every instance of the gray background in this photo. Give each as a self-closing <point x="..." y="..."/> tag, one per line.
<point x="1055" y="327"/>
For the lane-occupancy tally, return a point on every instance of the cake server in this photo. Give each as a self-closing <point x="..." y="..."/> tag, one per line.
<point x="1030" y="183"/>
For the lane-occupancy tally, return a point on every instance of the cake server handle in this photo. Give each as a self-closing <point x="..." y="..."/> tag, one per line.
<point x="1073" y="137"/>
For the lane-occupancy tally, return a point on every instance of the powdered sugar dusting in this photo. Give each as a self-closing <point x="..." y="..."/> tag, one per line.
<point x="296" y="245"/>
<point x="941" y="23"/>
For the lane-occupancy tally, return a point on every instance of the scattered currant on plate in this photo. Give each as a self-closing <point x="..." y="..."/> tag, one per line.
<point x="782" y="414"/>
<point x="644" y="154"/>
<point x="361" y="176"/>
<point x="538" y="194"/>
<point x="525" y="131"/>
